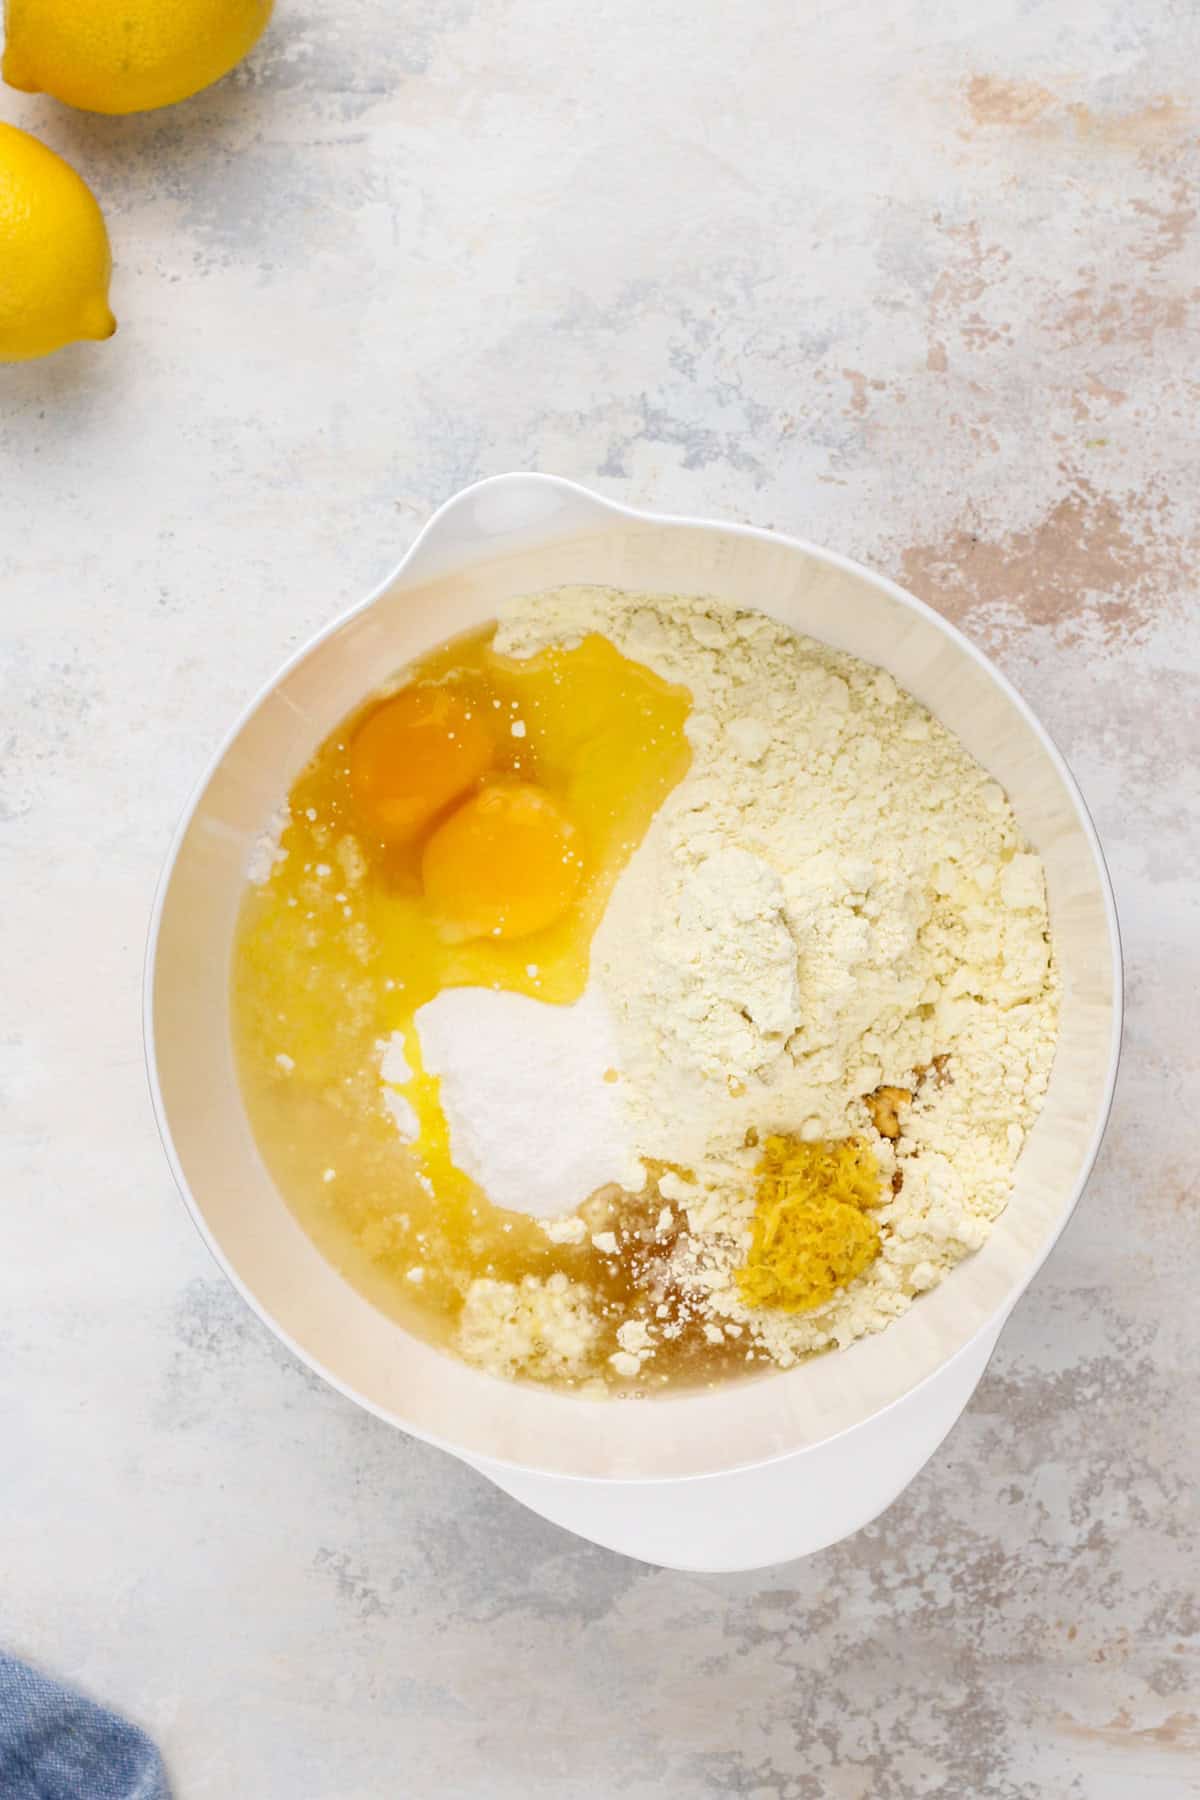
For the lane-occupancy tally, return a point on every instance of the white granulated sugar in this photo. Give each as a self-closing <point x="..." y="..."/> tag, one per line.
<point x="403" y="1113"/>
<point x="834" y="895"/>
<point x="532" y="1118"/>
<point x="393" y="1063"/>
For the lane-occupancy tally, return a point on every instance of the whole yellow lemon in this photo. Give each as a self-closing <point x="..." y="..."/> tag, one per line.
<point x="122" y="56"/>
<point x="54" y="256"/>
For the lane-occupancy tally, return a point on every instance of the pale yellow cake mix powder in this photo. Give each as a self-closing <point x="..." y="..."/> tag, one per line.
<point x="835" y="899"/>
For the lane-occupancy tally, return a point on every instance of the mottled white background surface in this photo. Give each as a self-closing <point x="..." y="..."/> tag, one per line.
<point x="917" y="280"/>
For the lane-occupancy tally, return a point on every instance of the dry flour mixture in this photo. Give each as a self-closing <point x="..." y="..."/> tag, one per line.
<point x="832" y="929"/>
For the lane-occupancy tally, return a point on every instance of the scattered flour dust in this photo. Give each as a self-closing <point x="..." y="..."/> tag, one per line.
<point x="834" y="896"/>
<point x="502" y="1320"/>
<point x="267" y="851"/>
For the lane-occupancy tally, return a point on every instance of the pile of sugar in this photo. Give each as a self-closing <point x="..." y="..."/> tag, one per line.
<point x="835" y="895"/>
<point x="529" y="1095"/>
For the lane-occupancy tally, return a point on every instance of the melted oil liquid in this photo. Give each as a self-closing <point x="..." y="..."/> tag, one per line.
<point x="341" y="946"/>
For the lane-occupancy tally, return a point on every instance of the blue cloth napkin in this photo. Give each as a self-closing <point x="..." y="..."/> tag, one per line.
<point x="55" y="1745"/>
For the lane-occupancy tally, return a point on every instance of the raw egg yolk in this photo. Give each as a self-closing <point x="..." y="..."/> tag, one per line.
<point x="505" y="865"/>
<point x="412" y="757"/>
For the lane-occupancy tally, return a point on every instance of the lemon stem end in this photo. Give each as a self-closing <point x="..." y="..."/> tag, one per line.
<point x="98" y="322"/>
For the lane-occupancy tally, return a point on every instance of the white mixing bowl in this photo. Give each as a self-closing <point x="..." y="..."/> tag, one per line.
<point x="752" y="1473"/>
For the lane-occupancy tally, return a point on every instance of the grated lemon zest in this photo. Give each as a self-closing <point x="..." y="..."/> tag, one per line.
<point x="812" y="1229"/>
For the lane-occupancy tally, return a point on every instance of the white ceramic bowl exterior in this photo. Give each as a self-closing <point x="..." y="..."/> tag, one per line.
<point x="749" y="1474"/>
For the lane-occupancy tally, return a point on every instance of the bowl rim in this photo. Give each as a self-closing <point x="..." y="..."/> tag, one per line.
<point x="600" y="503"/>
